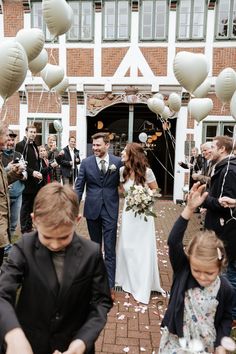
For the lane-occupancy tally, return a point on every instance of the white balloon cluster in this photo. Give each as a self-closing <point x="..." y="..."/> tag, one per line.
<point x="26" y="51"/>
<point x="166" y="111"/>
<point x="191" y="70"/>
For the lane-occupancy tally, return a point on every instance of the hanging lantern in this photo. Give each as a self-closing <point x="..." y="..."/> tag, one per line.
<point x="154" y="137"/>
<point x="158" y="134"/>
<point x="149" y="140"/>
<point x="111" y="136"/>
<point x="100" y="124"/>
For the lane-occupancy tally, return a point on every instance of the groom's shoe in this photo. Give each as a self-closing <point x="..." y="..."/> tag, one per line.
<point x="112" y="294"/>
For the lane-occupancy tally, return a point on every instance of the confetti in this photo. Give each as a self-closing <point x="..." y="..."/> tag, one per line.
<point x="121" y="317"/>
<point x="126" y="349"/>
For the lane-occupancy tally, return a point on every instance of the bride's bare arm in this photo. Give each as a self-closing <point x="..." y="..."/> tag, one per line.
<point x="153" y="185"/>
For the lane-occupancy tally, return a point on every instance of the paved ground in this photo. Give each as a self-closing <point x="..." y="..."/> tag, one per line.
<point x="133" y="328"/>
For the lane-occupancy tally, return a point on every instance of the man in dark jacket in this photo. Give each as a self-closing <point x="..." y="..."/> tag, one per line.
<point x="29" y="150"/>
<point x="218" y="218"/>
<point x="69" y="160"/>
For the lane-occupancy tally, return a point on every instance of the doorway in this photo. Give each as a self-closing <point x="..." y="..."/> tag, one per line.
<point x="160" y="146"/>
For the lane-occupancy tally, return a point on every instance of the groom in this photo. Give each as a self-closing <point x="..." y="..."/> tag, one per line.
<point x="100" y="173"/>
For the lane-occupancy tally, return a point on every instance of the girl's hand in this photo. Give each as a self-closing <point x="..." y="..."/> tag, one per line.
<point x="195" y="198"/>
<point x="220" y="350"/>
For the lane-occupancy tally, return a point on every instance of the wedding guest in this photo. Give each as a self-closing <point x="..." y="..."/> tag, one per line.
<point x="53" y="153"/>
<point x="137" y="265"/>
<point x="200" y="305"/>
<point x="194" y="165"/>
<point x="69" y="160"/>
<point x="9" y="158"/>
<point x="6" y="178"/>
<point x="46" y="167"/>
<point x="28" y="148"/>
<point x="64" y="297"/>
<point x="100" y="174"/>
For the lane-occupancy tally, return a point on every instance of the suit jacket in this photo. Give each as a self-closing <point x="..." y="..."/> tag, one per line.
<point x="65" y="159"/>
<point x="217" y="217"/>
<point x="53" y="316"/>
<point x="28" y="151"/>
<point x="99" y="191"/>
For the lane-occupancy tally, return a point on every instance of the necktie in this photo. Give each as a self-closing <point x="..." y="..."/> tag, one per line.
<point x="103" y="167"/>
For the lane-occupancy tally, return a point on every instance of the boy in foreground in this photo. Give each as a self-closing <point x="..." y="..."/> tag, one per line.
<point x="64" y="295"/>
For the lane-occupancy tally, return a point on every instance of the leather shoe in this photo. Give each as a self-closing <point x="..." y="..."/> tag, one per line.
<point x="112" y="294"/>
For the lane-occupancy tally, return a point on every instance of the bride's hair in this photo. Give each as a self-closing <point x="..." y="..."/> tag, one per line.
<point x="136" y="162"/>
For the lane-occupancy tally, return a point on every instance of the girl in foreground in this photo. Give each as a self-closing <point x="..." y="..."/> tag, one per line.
<point x="201" y="299"/>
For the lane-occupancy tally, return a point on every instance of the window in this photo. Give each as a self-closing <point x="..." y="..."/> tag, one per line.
<point x="153" y="20"/>
<point x="82" y="25"/>
<point x="37" y="20"/>
<point x="212" y="129"/>
<point x="191" y="19"/>
<point x="116" y="20"/>
<point x="226" y="19"/>
<point x="44" y="128"/>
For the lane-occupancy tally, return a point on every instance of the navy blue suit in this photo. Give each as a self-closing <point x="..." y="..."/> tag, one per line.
<point x="101" y="205"/>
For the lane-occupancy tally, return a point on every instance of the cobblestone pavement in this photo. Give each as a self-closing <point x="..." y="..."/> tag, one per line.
<point x="134" y="328"/>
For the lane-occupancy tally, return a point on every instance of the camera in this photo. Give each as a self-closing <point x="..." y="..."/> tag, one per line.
<point x="16" y="160"/>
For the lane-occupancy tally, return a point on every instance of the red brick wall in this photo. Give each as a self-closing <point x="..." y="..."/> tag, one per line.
<point x="218" y="108"/>
<point x="13" y="14"/>
<point x="157" y="59"/>
<point x="79" y="62"/>
<point x="53" y="55"/>
<point x="11" y="109"/>
<point x="111" y="59"/>
<point x="192" y="50"/>
<point x="223" y="58"/>
<point x="72" y="133"/>
<point x="46" y="102"/>
<point x="73" y="108"/>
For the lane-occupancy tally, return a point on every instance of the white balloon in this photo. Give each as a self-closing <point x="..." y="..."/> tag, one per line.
<point x="156" y="105"/>
<point x="62" y="86"/>
<point x="57" y="125"/>
<point x="190" y="69"/>
<point x="39" y="62"/>
<point x="199" y="108"/>
<point x="14" y="65"/>
<point x="57" y="15"/>
<point x="225" y="84"/>
<point x="174" y="102"/>
<point x="159" y="95"/>
<point x="32" y="40"/>
<point x="143" y="137"/>
<point x="203" y="89"/>
<point x="52" y="75"/>
<point x="166" y="113"/>
<point x="233" y="105"/>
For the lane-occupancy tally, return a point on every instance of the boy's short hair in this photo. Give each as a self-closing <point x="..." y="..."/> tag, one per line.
<point x="104" y="136"/>
<point x="31" y="126"/>
<point x="56" y="204"/>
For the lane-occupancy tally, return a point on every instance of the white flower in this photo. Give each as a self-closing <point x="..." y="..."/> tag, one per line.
<point x="112" y="168"/>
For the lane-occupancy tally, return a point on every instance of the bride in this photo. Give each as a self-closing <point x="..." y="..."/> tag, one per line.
<point x="137" y="265"/>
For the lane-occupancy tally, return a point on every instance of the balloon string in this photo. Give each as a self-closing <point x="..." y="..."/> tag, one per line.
<point x="51" y="56"/>
<point x="40" y="99"/>
<point x="5" y="110"/>
<point x="222" y="108"/>
<point x="160" y="162"/>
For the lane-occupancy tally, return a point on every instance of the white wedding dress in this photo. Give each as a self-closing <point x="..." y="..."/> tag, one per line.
<point x="137" y="265"/>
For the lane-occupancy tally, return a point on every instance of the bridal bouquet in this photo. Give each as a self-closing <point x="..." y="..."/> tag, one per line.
<point x="140" y="200"/>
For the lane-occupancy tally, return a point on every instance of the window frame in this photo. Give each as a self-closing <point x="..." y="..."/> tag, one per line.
<point x="45" y="129"/>
<point x="229" y="36"/>
<point x="48" y="36"/>
<point x="219" y="128"/>
<point x="153" y="38"/>
<point x="116" y="39"/>
<point x="79" y="39"/>
<point x="191" y="24"/>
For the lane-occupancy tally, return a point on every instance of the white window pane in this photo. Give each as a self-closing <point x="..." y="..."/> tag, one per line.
<point x="86" y="20"/>
<point x="184" y="19"/>
<point x="160" y="20"/>
<point x="123" y="19"/>
<point x="109" y="20"/>
<point x="198" y="19"/>
<point x="37" y="17"/>
<point x="223" y="18"/>
<point x="147" y="19"/>
<point x="73" y="33"/>
<point x="233" y="31"/>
